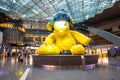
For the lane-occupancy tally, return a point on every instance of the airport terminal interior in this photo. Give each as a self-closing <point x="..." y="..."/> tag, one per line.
<point x="59" y="39"/>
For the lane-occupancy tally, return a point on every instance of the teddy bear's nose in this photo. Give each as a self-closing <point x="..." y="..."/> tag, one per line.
<point x="60" y="31"/>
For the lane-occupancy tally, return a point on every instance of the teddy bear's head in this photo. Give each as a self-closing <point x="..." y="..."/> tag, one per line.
<point x="60" y="23"/>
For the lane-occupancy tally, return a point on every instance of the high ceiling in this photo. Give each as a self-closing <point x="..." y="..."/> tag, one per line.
<point x="43" y="10"/>
<point x="106" y="15"/>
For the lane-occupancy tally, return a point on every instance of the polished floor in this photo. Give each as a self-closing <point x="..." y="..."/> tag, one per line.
<point x="11" y="69"/>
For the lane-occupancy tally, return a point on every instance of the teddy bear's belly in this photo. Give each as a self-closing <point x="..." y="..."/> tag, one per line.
<point x="65" y="44"/>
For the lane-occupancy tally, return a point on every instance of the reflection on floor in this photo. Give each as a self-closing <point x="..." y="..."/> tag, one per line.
<point x="11" y="69"/>
<point x="103" y="59"/>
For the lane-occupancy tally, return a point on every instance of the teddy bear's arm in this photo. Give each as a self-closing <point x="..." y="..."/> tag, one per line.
<point x="81" y="38"/>
<point x="49" y="40"/>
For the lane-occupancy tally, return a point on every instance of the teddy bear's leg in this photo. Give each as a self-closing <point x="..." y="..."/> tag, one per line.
<point x="48" y="50"/>
<point x="77" y="49"/>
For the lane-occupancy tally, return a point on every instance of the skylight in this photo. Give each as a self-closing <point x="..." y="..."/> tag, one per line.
<point x="43" y="10"/>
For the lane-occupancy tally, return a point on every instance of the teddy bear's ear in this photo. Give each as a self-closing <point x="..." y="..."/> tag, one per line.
<point x="49" y="26"/>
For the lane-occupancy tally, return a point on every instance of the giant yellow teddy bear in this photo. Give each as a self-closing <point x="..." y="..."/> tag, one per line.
<point x="63" y="39"/>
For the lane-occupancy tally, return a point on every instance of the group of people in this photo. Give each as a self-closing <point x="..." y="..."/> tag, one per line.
<point x="21" y="55"/>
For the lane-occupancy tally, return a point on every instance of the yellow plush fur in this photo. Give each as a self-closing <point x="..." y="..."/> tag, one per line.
<point x="62" y="38"/>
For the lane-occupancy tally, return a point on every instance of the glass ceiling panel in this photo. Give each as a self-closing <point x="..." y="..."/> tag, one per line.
<point x="25" y="4"/>
<point x="42" y="10"/>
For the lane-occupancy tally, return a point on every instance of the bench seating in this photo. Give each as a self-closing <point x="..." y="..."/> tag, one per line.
<point x="65" y="60"/>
